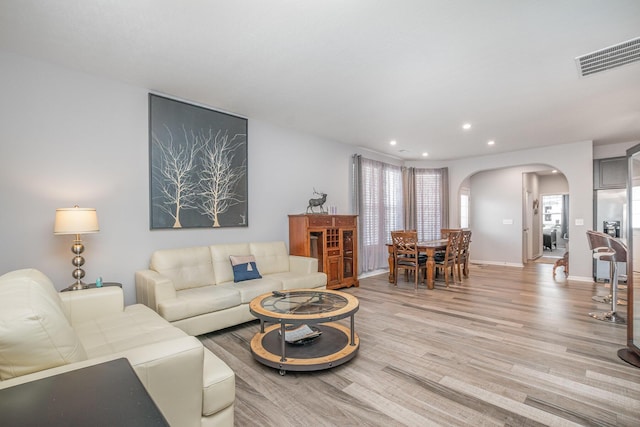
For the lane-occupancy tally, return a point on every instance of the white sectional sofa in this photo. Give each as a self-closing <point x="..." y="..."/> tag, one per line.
<point x="43" y="333"/>
<point x="194" y="288"/>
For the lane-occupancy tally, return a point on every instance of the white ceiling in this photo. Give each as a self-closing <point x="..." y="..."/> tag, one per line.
<point x="362" y="72"/>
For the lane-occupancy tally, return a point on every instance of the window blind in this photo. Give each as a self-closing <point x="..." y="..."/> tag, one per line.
<point x="428" y="198"/>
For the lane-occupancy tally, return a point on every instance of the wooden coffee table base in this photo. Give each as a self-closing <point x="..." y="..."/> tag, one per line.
<point x="331" y="349"/>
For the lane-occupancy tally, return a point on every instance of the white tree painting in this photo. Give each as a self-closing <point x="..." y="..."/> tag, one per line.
<point x="220" y="175"/>
<point x="176" y="183"/>
<point x="198" y="166"/>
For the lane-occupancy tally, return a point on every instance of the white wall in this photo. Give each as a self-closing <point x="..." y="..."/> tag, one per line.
<point x="498" y="215"/>
<point x="553" y="184"/>
<point x="70" y="138"/>
<point x="502" y="191"/>
<point x="496" y="221"/>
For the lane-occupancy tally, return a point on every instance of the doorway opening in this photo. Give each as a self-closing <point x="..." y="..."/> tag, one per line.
<point x="555" y="208"/>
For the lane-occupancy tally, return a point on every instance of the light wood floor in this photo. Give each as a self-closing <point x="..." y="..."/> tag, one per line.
<point x="506" y="347"/>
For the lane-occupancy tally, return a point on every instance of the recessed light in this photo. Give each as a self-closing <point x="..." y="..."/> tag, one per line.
<point x="492" y="142"/>
<point x="466" y="126"/>
<point x="425" y="154"/>
<point x="393" y="142"/>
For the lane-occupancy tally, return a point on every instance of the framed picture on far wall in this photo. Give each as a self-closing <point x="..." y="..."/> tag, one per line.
<point x="198" y="166"/>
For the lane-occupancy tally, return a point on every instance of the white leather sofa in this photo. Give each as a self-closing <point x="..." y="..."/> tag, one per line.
<point x="194" y="288"/>
<point x="43" y="333"/>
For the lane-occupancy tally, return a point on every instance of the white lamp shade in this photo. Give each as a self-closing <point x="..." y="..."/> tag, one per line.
<point x="76" y="221"/>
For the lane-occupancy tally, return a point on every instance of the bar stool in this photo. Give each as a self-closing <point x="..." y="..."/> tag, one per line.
<point x="604" y="242"/>
<point x="598" y="243"/>
<point x="621" y="257"/>
<point x="603" y="246"/>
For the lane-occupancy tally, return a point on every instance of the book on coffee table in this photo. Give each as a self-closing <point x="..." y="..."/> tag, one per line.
<point x="302" y="332"/>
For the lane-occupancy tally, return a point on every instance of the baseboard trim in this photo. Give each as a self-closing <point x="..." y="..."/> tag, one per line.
<point x="373" y="273"/>
<point x="506" y="264"/>
<point x="580" y="278"/>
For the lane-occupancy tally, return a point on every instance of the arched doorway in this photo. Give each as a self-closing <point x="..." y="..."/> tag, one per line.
<point x="505" y="213"/>
<point x="574" y="160"/>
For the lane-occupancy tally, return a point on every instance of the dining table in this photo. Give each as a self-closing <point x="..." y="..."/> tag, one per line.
<point x="429" y="248"/>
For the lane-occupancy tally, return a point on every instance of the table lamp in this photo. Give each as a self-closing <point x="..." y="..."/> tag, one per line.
<point x="76" y="221"/>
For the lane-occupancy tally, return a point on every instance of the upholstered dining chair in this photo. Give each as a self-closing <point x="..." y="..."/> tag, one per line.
<point x="448" y="263"/>
<point x="444" y="232"/>
<point x="444" y="235"/>
<point x="462" y="263"/>
<point x="406" y="255"/>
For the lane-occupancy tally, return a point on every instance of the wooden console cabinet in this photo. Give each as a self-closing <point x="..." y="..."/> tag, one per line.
<point x="333" y="240"/>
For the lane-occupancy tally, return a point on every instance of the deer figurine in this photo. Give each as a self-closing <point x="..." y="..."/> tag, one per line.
<point x="317" y="202"/>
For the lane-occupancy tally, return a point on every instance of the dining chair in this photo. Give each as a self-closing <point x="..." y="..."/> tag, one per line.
<point x="444" y="232"/>
<point x="447" y="264"/>
<point x="462" y="262"/>
<point x="406" y="255"/>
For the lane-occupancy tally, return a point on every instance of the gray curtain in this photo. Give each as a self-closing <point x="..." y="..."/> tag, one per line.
<point x="409" y="198"/>
<point x="377" y="190"/>
<point x="357" y="202"/>
<point x="444" y="195"/>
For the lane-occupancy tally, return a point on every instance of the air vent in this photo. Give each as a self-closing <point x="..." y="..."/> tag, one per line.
<point x="610" y="57"/>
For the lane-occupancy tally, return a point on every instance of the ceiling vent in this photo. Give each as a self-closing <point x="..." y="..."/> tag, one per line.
<point x="611" y="57"/>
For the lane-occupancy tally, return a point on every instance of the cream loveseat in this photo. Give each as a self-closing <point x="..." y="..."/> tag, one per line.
<point x="43" y="333"/>
<point x="194" y="288"/>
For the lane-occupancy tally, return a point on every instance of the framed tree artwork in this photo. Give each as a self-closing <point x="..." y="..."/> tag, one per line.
<point x="198" y="166"/>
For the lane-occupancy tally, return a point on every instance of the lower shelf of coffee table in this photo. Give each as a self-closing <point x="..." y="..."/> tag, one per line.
<point x="331" y="349"/>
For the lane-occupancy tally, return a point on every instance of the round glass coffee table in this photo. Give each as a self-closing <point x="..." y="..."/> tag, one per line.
<point x="313" y="311"/>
